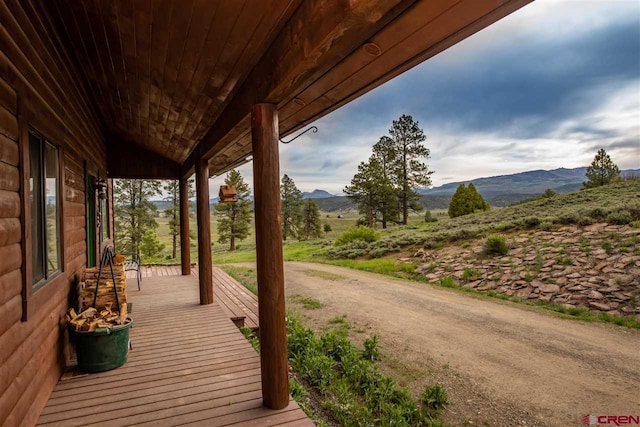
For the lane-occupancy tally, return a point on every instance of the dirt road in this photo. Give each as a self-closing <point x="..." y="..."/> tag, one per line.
<point x="503" y="364"/>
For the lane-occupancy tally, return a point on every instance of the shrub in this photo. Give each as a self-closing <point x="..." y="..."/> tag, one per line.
<point x="428" y="217"/>
<point x="620" y="217"/>
<point x="546" y="226"/>
<point x="635" y="224"/>
<point x="496" y="244"/>
<point x="469" y="273"/>
<point x="530" y="221"/>
<point x="327" y="227"/>
<point x="360" y="233"/>
<point x="448" y="282"/>
<point x="584" y="220"/>
<point x="435" y="397"/>
<point x="371" y="350"/>
<point x="608" y="248"/>
<point x="377" y="253"/>
<point x="598" y="214"/>
<point x="567" y="218"/>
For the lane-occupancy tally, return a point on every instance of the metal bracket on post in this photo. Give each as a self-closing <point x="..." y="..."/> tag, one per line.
<point x="312" y="128"/>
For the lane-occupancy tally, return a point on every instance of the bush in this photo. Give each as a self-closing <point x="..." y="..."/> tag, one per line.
<point x="469" y="274"/>
<point x="327" y="227"/>
<point x="546" y="226"/>
<point x="496" y="244"/>
<point x="530" y="221"/>
<point x="428" y="217"/>
<point x="371" y="350"/>
<point x="434" y="398"/>
<point x="620" y="217"/>
<point x="360" y="233"/>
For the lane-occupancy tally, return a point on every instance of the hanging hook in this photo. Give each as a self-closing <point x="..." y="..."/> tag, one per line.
<point x="312" y="128"/>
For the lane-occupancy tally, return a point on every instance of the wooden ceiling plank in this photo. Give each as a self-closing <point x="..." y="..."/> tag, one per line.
<point x="143" y="27"/>
<point x="162" y="14"/>
<point x="317" y="36"/>
<point x="203" y="16"/>
<point x="81" y="51"/>
<point x="35" y="67"/>
<point x="126" y="29"/>
<point x="114" y="43"/>
<point x="93" y="12"/>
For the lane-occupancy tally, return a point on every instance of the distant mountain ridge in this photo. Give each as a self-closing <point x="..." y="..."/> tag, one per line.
<point x="316" y="194"/>
<point x="534" y="182"/>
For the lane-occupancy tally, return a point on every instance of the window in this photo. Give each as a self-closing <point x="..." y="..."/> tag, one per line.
<point x="45" y="209"/>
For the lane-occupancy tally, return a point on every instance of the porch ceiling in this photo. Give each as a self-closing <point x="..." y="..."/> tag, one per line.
<point x="178" y="77"/>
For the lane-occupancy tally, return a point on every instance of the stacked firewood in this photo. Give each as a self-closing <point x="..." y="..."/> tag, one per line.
<point x="91" y="319"/>
<point x="106" y="295"/>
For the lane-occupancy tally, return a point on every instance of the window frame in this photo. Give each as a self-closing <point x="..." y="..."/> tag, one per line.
<point x="47" y="277"/>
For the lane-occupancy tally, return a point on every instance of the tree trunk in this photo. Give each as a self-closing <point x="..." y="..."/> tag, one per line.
<point x="232" y="241"/>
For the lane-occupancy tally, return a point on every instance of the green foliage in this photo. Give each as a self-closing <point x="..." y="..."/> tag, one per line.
<point x="327" y="227"/>
<point x="307" y="302"/>
<point x="467" y="200"/>
<point x="620" y="217"/>
<point x="172" y="189"/>
<point x="602" y="171"/>
<point x="496" y="245"/>
<point x="360" y="233"/>
<point x="250" y="335"/>
<point x="429" y="217"/>
<point x="531" y="221"/>
<point x="469" y="274"/>
<point x="234" y="219"/>
<point x="434" y="397"/>
<point x="354" y="391"/>
<point x="549" y="193"/>
<point x="150" y="245"/>
<point x="606" y="245"/>
<point x="311" y="225"/>
<point x="291" y="199"/>
<point x="448" y="282"/>
<point x="371" y="350"/>
<point x="135" y="214"/>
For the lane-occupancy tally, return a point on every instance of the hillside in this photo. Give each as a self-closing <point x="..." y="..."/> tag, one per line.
<point x="316" y="194"/>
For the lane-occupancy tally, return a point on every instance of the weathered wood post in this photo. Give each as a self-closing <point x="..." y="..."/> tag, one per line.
<point x="266" y="190"/>
<point x="185" y="246"/>
<point x="204" y="232"/>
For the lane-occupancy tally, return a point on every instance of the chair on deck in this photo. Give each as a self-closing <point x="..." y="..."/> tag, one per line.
<point x="133" y="264"/>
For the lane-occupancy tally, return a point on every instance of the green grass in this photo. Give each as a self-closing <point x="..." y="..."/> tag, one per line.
<point x="326" y="275"/>
<point x="307" y="302"/>
<point x="245" y="275"/>
<point x="386" y="266"/>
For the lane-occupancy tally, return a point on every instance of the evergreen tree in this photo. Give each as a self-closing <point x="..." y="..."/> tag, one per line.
<point x="311" y="226"/>
<point x="372" y="192"/>
<point x="291" y="199"/>
<point x="601" y="171"/>
<point x="408" y="151"/>
<point x="388" y="206"/>
<point x="234" y="219"/>
<point x="135" y="214"/>
<point x="466" y="200"/>
<point x="172" y="188"/>
<point x="150" y="245"/>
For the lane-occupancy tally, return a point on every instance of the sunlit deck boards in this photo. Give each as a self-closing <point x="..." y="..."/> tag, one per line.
<point x="189" y="365"/>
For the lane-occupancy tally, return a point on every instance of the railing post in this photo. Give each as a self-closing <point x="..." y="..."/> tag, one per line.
<point x="204" y="232"/>
<point x="185" y="243"/>
<point x="270" y="268"/>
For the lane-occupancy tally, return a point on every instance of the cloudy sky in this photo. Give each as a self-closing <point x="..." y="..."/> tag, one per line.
<point x="543" y="88"/>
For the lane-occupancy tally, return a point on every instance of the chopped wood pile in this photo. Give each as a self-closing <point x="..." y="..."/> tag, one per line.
<point x="91" y="319"/>
<point x="106" y="296"/>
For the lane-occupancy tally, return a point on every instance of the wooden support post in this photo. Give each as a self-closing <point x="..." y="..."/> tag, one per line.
<point x="266" y="190"/>
<point x="204" y="232"/>
<point x="185" y="243"/>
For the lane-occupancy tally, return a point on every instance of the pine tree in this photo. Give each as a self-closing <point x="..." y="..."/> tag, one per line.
<point x="372" y="192"/>
<point x="234" y="219"/>
<point x="466" y="200"/>
<point x="408" y="151"/>
<point x="311" y="226"/>
<point x="602" y="170"/>
<point x="291" y="199"/>
<point x="134" y="213"/>
<point x="172" y="189"/>
<point x="388" y="206"/>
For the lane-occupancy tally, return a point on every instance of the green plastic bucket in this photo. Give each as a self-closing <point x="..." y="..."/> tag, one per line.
<point x="103" y="349"/>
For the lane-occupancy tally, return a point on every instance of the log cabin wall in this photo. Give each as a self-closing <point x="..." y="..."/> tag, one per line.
<point x="39" y="89"/>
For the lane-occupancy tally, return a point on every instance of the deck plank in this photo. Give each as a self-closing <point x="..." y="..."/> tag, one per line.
<point x="189" y="364"/>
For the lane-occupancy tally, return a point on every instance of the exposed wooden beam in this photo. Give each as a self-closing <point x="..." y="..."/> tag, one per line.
<point x="319" y="35"/>
<point x="270" y="267"/>
<point x="204" y="232"/>
<point x="129" y="160"/>
<point x="185" y="246"/>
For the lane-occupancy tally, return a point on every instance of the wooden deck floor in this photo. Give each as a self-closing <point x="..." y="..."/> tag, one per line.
<point x="189" y="365"/>
<point x="234" y="298"/>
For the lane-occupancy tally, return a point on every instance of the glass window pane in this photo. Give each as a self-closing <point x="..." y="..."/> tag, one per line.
<point x="52" y="208"/>
<point x="35" y="198"/>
